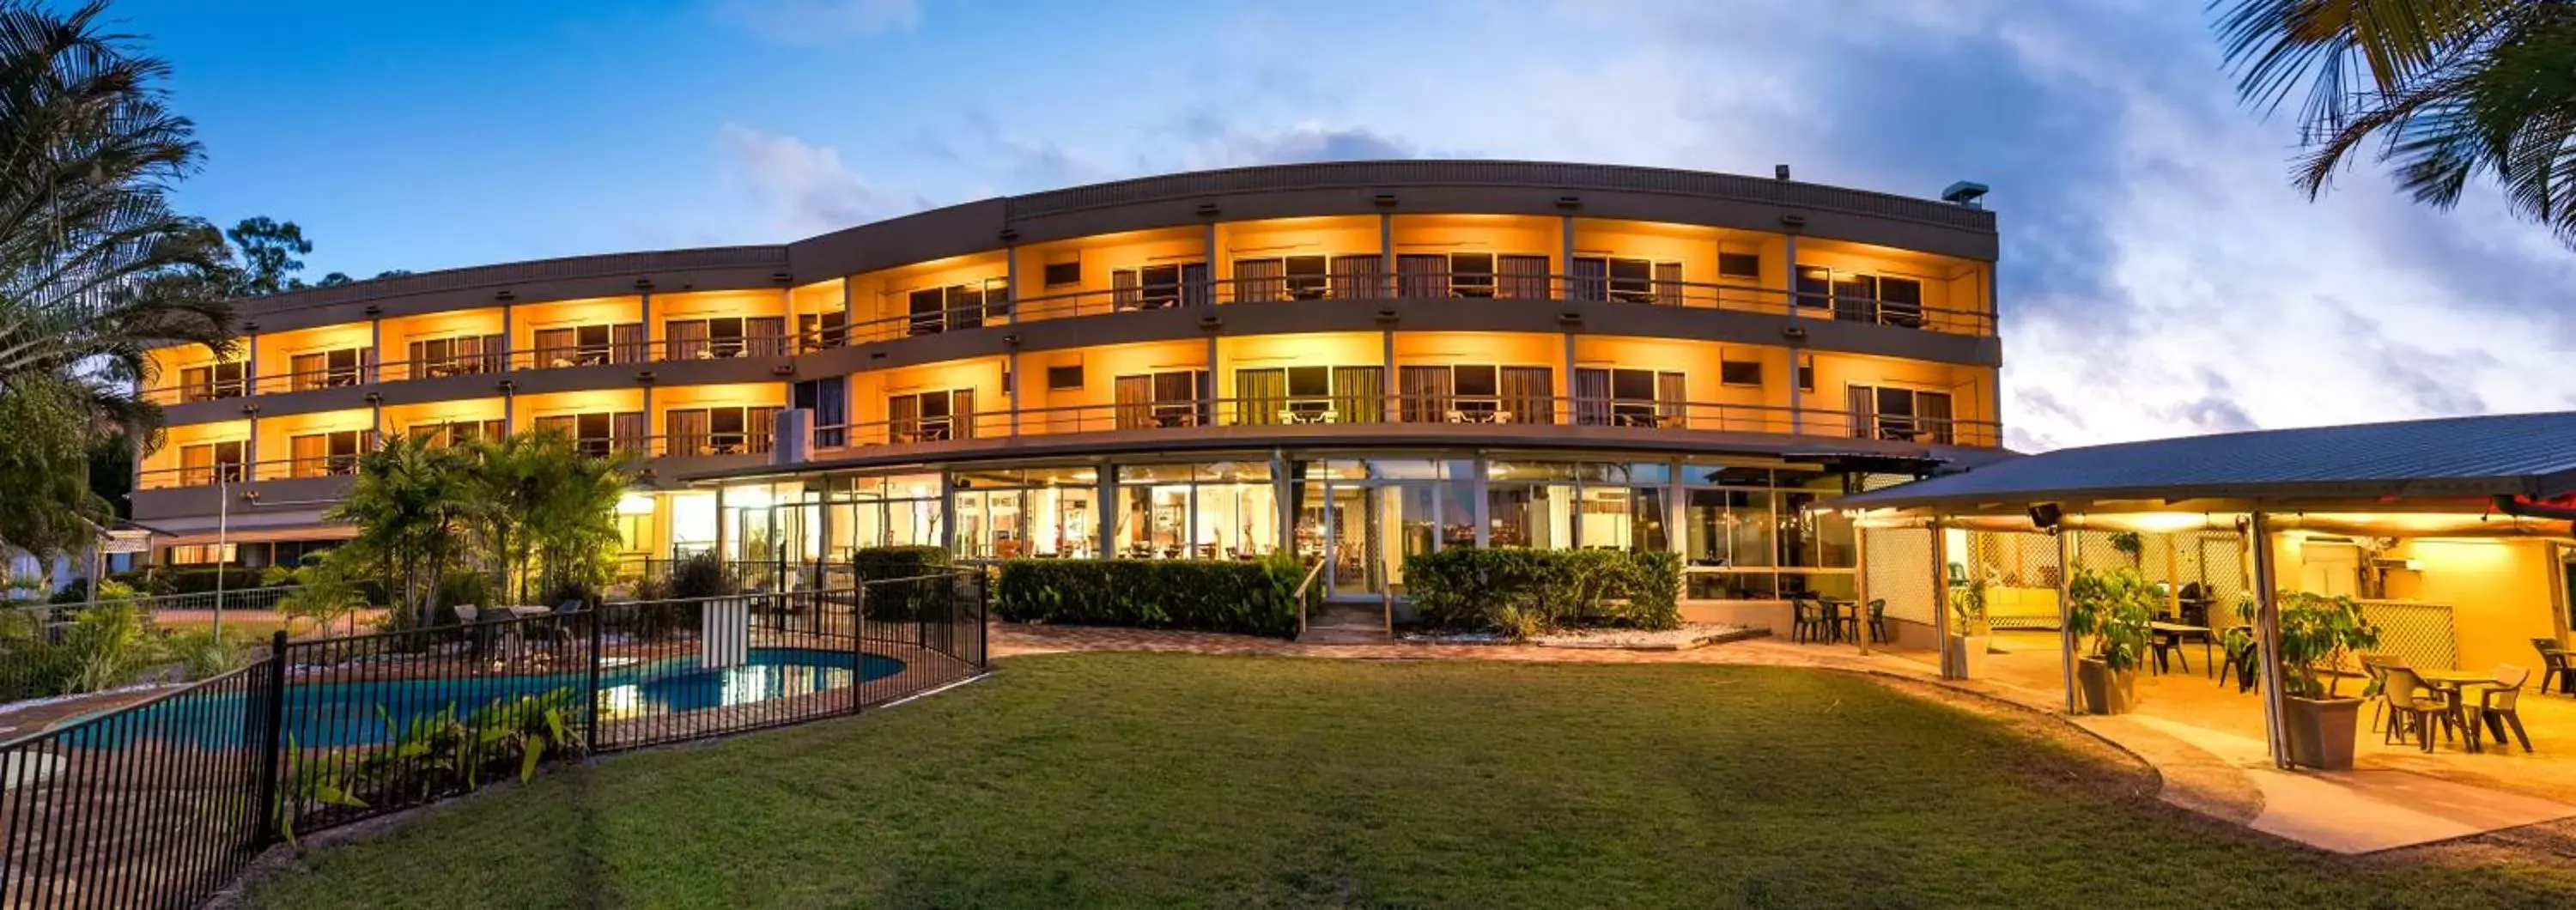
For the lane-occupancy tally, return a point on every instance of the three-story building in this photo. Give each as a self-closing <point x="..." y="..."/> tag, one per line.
<point x="1359" y="361"/>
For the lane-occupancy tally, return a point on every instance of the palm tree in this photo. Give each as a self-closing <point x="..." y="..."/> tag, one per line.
<point x="2451" y="89"/>
<point x="552" y="509"/>
<point x="414" y="508"/>
<point x="95" y="269"/>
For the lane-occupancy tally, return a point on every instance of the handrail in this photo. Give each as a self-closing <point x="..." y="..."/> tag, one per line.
<point x="1300" y="596"/>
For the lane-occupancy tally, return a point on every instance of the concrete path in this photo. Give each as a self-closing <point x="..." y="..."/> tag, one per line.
<point x="2219" y="774"/>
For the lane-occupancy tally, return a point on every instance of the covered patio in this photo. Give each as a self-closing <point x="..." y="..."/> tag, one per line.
<point x="2452" y="536"/>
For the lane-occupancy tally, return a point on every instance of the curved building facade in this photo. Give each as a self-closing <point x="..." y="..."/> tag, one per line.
<point x="1355" y="360"/>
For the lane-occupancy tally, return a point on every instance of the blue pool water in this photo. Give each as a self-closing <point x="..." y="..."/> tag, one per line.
<point x="349" y="713"/>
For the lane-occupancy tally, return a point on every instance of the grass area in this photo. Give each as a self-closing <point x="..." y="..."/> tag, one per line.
<point x="1143" y="780"/>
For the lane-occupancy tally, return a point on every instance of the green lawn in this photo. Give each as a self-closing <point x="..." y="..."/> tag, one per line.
<point x="1161" y="780"/>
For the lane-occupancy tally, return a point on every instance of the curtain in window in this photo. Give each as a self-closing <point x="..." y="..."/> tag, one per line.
<point x="1591" y="279"/>
<point x="1668" y="283"/>
<point x="1592" y="396"/>
<point x="687" y="339"/>
<point x="555" y="347"/>
<point x="305" y="371"/>
<point x="1359" y="394"/>
<point x="310" y="455"/>
<point x="1259" y="396"/>
<point x="627" y="344"/>
<point x="1260" y="280"/>
<point x="685" y="432"/>
<point x="1123" y="293"/>
<point x="1932" y="412"/>
<point x="626" y="431"/>
<point x="961" y="408"/>
<point x="1862" y="404"/>
<point x="1672" y="405"/>
<point x="1135" y="396"/>
<point x="903" y="418"/>
<point x="1194" y="284"/>
<point x="1358" y="277"/>
<point x="759" y="429"/>
<point x="1421" y="275"/>
<point x="765" y="336"/>
<point x="1528" y="394"/>
<point x="1427" y="392"/>
<point x="1520" y="277"/>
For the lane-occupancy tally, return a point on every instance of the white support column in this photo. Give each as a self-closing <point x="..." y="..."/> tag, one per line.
<point x="724" y="528"/>
<point x="2267" y="635"/>
<point x="1107" y="510"/>
<point x="1011" y="285"/>
<point x="1018" y="380"/>
<point x="1386" y="256"/>
<point x="1861" y="630"/>
<point x="1941" y="597"/>
<point x="509" y="336"/>
<point x="376" y="349"/>
<point x="1283" y="499"/>
<point x="2067" y="644"/>
<point x="1797" y="346"/>
<point x="1208" y="243"/>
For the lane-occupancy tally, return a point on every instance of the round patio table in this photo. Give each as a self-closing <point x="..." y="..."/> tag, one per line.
<point x="2452" y="683"/>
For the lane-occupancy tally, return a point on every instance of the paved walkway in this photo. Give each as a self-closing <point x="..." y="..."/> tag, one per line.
<point x="2216" y="773"/>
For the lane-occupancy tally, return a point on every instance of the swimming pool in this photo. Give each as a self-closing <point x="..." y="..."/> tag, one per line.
<point x="354" y="713"/>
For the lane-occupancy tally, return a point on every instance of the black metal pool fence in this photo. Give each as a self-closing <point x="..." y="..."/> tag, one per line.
<point x="162" y="802"/>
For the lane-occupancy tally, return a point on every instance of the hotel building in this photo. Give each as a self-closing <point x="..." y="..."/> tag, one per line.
<point x="1358" y="360"/>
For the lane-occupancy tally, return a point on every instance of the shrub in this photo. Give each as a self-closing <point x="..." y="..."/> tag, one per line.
<point x="1239" y="597"/>
<point x="1524" y="592"/>
<point x="898" y="562"/>
<point x="702" y="575"/>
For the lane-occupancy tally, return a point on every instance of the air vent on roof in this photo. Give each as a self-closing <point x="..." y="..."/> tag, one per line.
<point x="1965" y="192"/>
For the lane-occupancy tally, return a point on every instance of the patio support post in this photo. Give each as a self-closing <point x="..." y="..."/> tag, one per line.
<point x="2267" y="634"/>
<point x="1860" y="587"/>
<point x="1941" y="597"/>
<point x="2065" y="603"/>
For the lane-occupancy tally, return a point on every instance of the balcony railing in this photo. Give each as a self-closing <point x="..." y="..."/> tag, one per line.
<point x="996" y="309"/>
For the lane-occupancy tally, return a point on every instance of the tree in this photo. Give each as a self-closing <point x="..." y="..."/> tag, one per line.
<point x="95" y="269"/>
<point x="268" y="249"/>
<point x="413" y="507"/>
<point x="548" y="512"/>
<point x="2450" y="89"/>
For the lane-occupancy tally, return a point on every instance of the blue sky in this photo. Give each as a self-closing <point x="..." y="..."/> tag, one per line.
<point x="2160" y="274"/>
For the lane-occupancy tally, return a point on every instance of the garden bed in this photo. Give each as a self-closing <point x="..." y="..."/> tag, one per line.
<point x="1683" y="638"/>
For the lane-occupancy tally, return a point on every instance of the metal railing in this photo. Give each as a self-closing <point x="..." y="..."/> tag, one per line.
<point x="1303" y="594"/>
<point x="163" y="802"/>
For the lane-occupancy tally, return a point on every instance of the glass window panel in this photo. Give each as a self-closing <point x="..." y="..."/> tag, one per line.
<point x="1731" y="586"/>
<point x="1650" y="472"/>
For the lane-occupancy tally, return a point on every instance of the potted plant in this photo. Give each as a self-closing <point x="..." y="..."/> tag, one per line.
<point x="2111" y="611"/>
<point x="2318" y="635"/>
<point x="2131" y="545"/>
<point x="1969" y="630"/>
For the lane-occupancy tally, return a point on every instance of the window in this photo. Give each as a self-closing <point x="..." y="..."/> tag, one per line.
<point x="1177" y="398"/>
<point x="326" y="454"/>
<point x="1297" y="277"/>
<point x="726" y="336"/>
<point x="204" y="554"/>
<point x="1807" y="375"/>
<point x="326" y="369"/>
<point x="592" y="345"/>
<point x="1740" y="265"/>
<point x="210" y="462"/>
<point x="600" y="433"/>
<point x="957" y="306"/>
<point x="1885" y="412"/>
<point x="463" y="355"/>
<point x="829" y="401"/>
<point x="930" y="416"/>
<point x="717" y="431"/>
<point x="1858" y="297"/>
<point x="219" y="380"/>
<point x="1739" y="372"/>
<point x="823" y="331"/>
<point x="1063" y="378"/>
<point x="1154" y="287"/>
<point x="1629" y="398"/>
<point x="1627" y="280"/>
<point x="1476" y="393"/>
<point x="1059" y="274"/>
<point x="1310" y="394"/>
<point x="449" y="434"/>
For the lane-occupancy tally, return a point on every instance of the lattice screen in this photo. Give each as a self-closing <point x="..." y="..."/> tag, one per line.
<point x="2214" y="560"/>
<point x="2014" y="562"/>
<point x="2419" y="634"/>
<point x="1899" y="564"/>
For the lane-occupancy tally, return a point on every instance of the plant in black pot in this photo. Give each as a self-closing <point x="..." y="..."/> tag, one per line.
<point x="2320" y="635"/>
<point x="1969" y="630"/>
<point x="2110" y="612"/>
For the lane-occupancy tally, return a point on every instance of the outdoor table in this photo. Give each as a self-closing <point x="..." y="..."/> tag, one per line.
<point x="2173" y="632"/>
<point x="2452" y="684"/>
<point x="1837" y="611"/>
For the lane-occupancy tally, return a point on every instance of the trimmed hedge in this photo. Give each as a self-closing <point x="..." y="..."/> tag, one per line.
<point x="898" y="562"/>
<point x="1525" y="592"/>
<point x="1242" y="597"/>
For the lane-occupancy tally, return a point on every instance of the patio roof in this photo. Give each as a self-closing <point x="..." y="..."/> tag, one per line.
<point x="2450" y="458"/>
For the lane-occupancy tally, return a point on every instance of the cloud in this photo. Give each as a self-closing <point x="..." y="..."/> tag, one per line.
<point x="1298" y="144"/>
<point x="818" y="22"/>
<point x="806" y="187"/>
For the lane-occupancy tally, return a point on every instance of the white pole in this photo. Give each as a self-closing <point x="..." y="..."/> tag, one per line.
<point x="2267" y="635"/>
<point x="223" y="521"/>
<point x="2065" y="607"/>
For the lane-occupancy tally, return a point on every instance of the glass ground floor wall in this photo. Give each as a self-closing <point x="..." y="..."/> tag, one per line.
<point x="1742" y="526"/>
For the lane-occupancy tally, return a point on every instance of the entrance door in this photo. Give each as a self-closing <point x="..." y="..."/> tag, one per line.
<point x="1369" y="530"/>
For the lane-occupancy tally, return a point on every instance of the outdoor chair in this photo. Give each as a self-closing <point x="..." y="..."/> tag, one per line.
<point x="2239" y="665"/>
<point x="2409" y="711"/>
<point x="2376" y="667"/>
<point x="2556" y="663"/>
<point x="1809" y="622"/>
<point x="1878" y="621"/>
<point x="2169" y="648"/>
<point x="2497" y="703"/>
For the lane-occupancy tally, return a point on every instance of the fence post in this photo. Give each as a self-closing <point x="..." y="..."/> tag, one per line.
<point x="272" y="761"/>
<point x="859" y="647"/>
<point x="983" y="604"/>
<point x="590" y="737"/>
